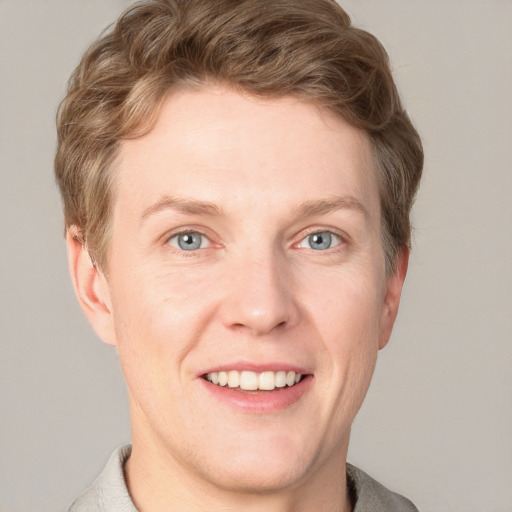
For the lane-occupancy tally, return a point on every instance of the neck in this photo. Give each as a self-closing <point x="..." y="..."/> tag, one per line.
<point x="158" y="482"/>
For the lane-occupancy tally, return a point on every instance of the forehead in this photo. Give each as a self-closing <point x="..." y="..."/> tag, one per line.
<point x="221" y="146"/>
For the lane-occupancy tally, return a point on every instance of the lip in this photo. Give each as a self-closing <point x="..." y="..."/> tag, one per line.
<point x="259" y="401"/>
<point x="256" y="367"/>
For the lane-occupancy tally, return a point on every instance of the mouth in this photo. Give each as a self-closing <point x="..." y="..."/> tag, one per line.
<point x="249" y="381"/>
<point x="253" y="388"/>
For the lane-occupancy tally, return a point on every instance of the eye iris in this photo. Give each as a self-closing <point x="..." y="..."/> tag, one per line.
<point x="319" y="241"/>
<point x="189" y="241"/>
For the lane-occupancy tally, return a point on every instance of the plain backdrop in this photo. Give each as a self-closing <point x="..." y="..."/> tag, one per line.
<point x="437" y="423"/>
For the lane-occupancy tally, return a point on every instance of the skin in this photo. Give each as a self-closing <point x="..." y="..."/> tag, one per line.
<point x="256" y="292"/>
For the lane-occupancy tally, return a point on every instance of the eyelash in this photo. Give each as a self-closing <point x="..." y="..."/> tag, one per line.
<point x="340" y="240"/>
<point x="184" y="232"/>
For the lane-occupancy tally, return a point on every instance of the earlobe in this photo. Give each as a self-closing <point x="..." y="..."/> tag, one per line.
<point x="394" y="286"/>
<point x="91" y="287"/>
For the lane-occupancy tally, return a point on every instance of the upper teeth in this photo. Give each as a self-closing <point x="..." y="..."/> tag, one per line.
<point x="251" y="381"/>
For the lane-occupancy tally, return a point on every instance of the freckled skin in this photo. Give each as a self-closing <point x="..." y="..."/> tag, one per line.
<point x="256" y="290"/>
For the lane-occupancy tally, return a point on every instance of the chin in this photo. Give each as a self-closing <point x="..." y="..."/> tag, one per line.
<point x="260" y="477"/>
<point x="260" y="469"/>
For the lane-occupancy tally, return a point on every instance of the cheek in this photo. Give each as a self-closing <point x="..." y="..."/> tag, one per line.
<point x="166" y="301"/>
<point x="158" y="321"/>
<point x="346" y="305"/>
<point x="347" y="319"/>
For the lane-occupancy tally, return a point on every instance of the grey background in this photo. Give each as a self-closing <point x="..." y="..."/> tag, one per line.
<point x="437" y="422"/>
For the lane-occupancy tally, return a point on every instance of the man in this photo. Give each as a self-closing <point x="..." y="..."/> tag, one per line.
<point x="237" y="178"/>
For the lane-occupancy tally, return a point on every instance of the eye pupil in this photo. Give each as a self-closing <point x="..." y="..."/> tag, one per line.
<point x="319" y="241"/>
<point x="189" y="241"/>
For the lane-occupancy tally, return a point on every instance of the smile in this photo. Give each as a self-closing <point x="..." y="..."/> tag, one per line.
<point x="252" y="381"/>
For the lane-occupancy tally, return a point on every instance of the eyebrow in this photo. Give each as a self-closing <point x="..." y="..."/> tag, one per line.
<point x="181" y="205"/>
<point x="324" y="206"/>
<point x="307" y="209"/>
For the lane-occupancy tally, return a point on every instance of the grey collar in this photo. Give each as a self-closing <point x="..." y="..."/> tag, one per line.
<point x="109" y="492"/>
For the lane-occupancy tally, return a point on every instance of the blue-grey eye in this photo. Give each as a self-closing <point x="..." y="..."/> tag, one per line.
<point x="189" y="241"/>
<point x="320" y="241"/>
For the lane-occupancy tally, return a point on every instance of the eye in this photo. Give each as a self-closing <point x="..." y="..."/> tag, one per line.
<point x="320" y="241"/>
<point x="191" y="241"/>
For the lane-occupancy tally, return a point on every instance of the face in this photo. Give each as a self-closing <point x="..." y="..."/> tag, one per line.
<point x="246" y="290"/>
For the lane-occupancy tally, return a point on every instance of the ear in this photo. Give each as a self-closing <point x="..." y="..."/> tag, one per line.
<point x="394" y="284"/>
<point x="91" y="287"/>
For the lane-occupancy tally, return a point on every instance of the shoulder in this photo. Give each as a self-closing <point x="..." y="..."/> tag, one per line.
<point x="108" y="492"/>
<point x="371" y="496"/>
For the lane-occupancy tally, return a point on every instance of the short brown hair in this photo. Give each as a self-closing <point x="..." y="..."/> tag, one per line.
<point x="269" y="48"/>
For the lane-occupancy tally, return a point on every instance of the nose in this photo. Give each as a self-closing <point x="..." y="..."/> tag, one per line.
<point x="259" y="297"/>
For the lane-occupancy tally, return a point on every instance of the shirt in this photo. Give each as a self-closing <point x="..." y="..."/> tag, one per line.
<point x="109" y="492"/>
